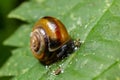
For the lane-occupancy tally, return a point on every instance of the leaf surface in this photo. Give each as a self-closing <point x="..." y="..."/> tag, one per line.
<point x="96" y="23"/>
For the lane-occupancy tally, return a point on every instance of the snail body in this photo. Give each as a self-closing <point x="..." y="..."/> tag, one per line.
<point x="50" y="40"/>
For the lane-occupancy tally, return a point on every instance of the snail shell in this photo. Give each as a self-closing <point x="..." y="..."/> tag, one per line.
<point x="50" y="40"/>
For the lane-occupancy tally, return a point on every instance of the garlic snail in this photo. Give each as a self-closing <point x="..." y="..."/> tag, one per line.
<point x="50" y="41"/>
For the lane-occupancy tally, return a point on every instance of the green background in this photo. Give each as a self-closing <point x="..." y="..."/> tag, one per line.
<point x="7" y="28"/>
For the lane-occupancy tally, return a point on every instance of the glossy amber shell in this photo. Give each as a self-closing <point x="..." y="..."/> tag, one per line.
<point x="57" y="40"/>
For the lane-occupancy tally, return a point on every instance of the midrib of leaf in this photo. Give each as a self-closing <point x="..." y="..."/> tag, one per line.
<point x="99" y="19"/>
<point x="90" y="29"/>
<point x="69" y="60"/>
<point x="37" y="63"/>
<point x="63" y="67"/>
<point x="112" y="65"/>
<point x="73" y="55"/>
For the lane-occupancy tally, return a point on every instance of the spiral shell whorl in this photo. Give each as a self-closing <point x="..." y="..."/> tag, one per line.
<point x="37" y="42"/>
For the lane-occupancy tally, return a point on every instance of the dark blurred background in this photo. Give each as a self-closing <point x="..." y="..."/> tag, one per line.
<point x="7" y="28"/>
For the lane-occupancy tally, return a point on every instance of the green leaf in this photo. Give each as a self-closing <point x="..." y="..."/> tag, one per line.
<point x="20" y="62"/>
<point x="20" y="37"/>
<point x="96" y="23"/>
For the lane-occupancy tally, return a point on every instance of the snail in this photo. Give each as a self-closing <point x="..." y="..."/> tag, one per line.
<point x="50" y="41"/>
